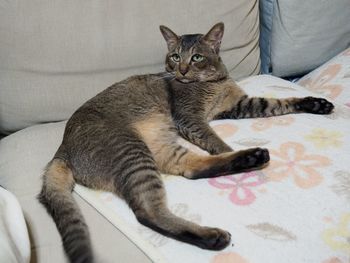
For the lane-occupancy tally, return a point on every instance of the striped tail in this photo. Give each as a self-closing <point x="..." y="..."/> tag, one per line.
<point x="56" y="196"/>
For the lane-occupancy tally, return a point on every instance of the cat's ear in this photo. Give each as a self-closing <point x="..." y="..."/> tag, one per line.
<point x="214" y="36"/>
<point x="170" y="37"/>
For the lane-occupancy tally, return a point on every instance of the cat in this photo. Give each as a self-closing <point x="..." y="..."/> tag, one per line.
<point x="123" y="138"/>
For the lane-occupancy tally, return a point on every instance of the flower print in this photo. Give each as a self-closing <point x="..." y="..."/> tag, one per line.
<point x="224" y="130"/>
<point x="338" y="237"/>
<point x="323" y="138"/>
<point x="346" y="52"/>
<point x="228" y="257"/>
<point x="158" y="240"/>
<point x="322" y="83"/>
<point x="266" y="123"/>
<point x="335" y="260"/>
<point x="239" y="186"/>
<point x="292" y="160"/>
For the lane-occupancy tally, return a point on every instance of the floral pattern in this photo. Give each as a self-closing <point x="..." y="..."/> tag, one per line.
<point x="323" y="138"/>
<point x="346" y="52"/>
<point x="338" y="237"/>
<point x="335" y="260"/>
<point x="266" y="123"/>
<point x="224" y="130"/>
<point x="331" y="79"/>
<point x="228" y="257"/>
<point x="292" y="161"/>
<point x="239" y="186"/>
<point x="297" y="208"/>
<point x="322" y="83"/>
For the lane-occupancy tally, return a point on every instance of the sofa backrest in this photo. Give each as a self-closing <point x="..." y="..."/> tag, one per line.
<point x="54" y="55"/>
<point x="299" y="35"/>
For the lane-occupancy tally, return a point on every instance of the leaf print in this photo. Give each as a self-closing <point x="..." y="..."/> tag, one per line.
<point x="252" y="142"/>
<point x="153" y="237"/>
<point x="270" y="231"/>
<point x="342" y="185"/>
<point x="280" y="88"/>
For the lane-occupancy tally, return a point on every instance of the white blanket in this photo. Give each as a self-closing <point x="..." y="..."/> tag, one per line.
<point x="14" y="240"/>
<point x="296" y="210"/>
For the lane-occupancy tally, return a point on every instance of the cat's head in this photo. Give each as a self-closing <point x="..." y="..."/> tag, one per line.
<point x="195" y="57"/>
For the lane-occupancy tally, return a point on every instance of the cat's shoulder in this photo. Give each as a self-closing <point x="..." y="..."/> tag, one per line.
<point x="223" y="84"/>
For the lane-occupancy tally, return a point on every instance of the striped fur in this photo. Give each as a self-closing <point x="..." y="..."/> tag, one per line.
<point x="56" y="196"/>
<point x="123" y="138"/>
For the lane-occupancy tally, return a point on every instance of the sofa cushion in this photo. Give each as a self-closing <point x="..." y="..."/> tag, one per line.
<point x="56" y="54"/>
<point x="23" y="156"/>
<point x="297" y="36"/>
<point x="294" y="210"/>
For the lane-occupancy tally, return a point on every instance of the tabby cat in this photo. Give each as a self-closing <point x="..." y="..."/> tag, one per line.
<point x="123" y="138"/>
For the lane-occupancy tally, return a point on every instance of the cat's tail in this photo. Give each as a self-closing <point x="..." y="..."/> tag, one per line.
<point x="56" y="196"/>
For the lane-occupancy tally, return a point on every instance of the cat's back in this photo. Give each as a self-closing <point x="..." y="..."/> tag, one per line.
<point x="129" y="98"/>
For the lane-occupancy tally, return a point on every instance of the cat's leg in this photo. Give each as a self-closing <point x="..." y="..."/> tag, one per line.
<point x="253" y="107"/>
<point x="201" y="134"/>
<point x="159" y="135"/>
<point x="178" y="160"/>
<point x="137" y="180"/>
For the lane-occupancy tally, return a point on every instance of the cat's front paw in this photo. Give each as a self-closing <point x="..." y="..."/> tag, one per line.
<point x="314" y="105"/>
<point x="251" y="158"/>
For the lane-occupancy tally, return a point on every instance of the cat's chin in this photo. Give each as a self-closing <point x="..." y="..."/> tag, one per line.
<point x="185" y="80"/>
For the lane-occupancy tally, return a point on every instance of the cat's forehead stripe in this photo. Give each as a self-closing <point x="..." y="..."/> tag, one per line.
<point x="188" y="41"/>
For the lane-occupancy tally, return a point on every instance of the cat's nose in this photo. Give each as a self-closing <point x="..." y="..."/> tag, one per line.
<point x="183" y="68"/>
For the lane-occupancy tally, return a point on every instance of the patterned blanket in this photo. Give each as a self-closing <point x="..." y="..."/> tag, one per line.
<point x="295" y="210"/>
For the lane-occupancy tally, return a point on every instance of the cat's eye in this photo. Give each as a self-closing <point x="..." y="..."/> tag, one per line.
<point x="197" y="58"/>
<point x="175" y="57"/>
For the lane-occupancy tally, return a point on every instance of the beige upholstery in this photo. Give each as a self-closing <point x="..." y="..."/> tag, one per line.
<point x="56" y="54"/>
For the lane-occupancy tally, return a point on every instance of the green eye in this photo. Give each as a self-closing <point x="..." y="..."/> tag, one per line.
<point x="175" y="57"/>
<point x="197" y="58"/>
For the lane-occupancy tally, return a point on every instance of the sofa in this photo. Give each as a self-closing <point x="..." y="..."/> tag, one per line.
<point x="55" y="55"/>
